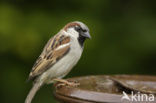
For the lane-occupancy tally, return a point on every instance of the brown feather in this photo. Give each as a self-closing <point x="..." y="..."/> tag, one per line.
<point x="69" y="25"/>
<point x="50" y="55"/>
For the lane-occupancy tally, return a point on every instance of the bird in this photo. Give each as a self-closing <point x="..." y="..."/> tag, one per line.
<point x="59" y="56"/>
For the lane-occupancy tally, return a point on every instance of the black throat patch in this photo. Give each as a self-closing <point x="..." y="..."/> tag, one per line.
<point x="81" y="40"/>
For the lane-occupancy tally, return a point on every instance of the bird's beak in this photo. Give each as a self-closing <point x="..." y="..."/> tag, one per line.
<point x="87" y="35"/>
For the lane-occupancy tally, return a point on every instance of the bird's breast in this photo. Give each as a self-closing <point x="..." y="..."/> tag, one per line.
<point x="64" y="65"/>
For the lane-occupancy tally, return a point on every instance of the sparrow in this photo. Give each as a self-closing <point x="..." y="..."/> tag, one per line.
<point x="59" y="56"/>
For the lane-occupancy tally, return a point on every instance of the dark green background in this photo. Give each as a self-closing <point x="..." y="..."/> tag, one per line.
<point x="123" y="40"/>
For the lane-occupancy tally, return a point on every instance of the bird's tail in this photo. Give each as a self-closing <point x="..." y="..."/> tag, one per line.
<point x="32" y="92"/>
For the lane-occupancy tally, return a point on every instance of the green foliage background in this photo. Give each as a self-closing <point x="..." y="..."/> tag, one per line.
<point x="123" y="40"/>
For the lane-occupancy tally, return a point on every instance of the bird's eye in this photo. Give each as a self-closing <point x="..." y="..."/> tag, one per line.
<point x="84" y="30"/>
<point x="79" y="29"/>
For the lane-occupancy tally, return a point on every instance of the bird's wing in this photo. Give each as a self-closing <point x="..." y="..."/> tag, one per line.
<point x="55" y="49"/>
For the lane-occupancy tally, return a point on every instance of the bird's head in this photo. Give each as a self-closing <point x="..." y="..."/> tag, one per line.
<point x="78" y="30"/>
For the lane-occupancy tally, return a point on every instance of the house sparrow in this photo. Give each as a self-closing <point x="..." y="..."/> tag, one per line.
<point x="59" y="56"/>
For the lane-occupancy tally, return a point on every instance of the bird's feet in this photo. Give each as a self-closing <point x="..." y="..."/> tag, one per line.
<point x="66" y="83"/>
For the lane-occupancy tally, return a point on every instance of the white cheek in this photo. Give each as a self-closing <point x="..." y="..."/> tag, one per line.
<point x="73" y="33"/>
